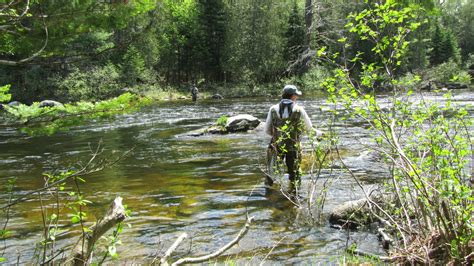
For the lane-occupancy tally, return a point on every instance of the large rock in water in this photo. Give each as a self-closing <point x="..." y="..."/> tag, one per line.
<point x="238" y="123"/>
<point x="50" y="103"/>
<point x="354" y="211"/>
<point x="14" y="103"/>
<point x="241" y="123"/>
<point x="217" y="96"/>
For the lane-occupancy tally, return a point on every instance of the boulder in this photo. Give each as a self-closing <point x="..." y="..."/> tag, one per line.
<point x="238" y="123"/>
<point x="241" y="123"/>
<point x="50" y="103"/>
<point x="455" y="86"/>
<point x="350" y="212"/>
<point x="183" y="97"/>
<point x="14" y="103"/>
<point x="217" y="96"/>
<point x="451" y="86"/>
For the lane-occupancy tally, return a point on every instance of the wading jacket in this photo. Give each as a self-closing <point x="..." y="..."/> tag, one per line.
<point x="286" y="122"/>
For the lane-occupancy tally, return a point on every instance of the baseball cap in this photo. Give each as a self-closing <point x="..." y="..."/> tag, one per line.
<point x="291" y="90"/>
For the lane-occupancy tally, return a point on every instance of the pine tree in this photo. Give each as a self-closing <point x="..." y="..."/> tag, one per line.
<point x="444" y="47"/>
<point x="294" y="35"/>
<point x="210" y="40"/>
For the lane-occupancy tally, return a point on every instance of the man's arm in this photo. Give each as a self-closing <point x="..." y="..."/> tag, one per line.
<point x="308" y="124"/>
<point x="306" y="119"/>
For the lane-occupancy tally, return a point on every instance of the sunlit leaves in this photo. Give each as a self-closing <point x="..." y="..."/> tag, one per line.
<point x="49" y="120"/>
<point x="4" y="95"/>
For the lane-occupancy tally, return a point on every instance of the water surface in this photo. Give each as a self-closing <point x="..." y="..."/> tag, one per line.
<point x="175" y="183"/>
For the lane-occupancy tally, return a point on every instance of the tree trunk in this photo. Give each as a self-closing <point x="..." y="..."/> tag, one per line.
<point x="308" y="19"/>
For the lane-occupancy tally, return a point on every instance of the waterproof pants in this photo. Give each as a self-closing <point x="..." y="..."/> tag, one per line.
<point x="292" y="161"/>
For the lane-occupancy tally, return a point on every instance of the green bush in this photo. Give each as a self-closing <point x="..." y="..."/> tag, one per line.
<point x="222" y="121"/>
<point x="447" y="72"/>
<point x="97" y="83"/>
<point x="4" y="95"/>
<point x="134" y="70"/>
<point x="49" y="120"/>
<point x="311" y="80"/>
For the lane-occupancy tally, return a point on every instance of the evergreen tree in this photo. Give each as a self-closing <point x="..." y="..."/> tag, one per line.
<point x="294" y="35"/>
<point x="436" y="56"/>
<point x="210" y="41"/>
<point x="133" y="68"/>
<point x="444" y="47"/>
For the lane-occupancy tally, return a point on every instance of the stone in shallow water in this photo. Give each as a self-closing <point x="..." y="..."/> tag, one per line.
<point x="14" y="103"/>
<point x="49" y="103"/>
<point x="240" y="123"/>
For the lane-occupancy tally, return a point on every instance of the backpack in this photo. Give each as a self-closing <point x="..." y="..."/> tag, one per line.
<point x="286" y="132"/>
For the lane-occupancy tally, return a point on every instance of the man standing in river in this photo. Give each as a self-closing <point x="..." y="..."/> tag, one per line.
<point x="286" y="122"/>
<point x="194" y="92"/>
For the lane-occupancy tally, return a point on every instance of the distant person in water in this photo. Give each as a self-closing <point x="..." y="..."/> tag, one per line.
<point x="194" y="92"/>
<point x="286" y="122"/>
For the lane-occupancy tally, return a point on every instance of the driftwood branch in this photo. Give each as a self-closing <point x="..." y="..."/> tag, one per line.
<point x="164" y="259"/>
<point x="385" y="238"/>
<point x="216" y="253"/>
<point x="81" y="253"/>
<point x="357" y="252"/>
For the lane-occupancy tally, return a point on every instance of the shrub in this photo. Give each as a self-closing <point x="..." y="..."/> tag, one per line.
<point x="134" y="70"/>
<point x="97" y="83"/>
<point x="428" y="145"/>
<point x="222" y="121"/>
<point x="311" y="80"/>
<point x="447" y="72"/>
<point x="4" y="95"/>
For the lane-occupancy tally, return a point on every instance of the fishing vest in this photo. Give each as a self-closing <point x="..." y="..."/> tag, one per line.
<point x="286" y="132"/>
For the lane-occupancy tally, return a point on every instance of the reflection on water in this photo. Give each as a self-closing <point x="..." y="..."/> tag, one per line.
<point x="175" y="183"/>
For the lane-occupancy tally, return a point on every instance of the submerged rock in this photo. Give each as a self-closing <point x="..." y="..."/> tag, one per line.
<point x="50" y="103"/>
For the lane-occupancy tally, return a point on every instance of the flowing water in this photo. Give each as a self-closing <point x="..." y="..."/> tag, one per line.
<point x="176" y="183"/>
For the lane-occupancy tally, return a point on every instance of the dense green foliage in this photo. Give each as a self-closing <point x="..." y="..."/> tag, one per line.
<point x="35" y="120"/>
<point x="91" y="50"/>
<point x="4" y="95"/>
<point x="428" y="146"/>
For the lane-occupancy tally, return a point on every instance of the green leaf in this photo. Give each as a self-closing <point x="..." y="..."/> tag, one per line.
<point x="75" y="219"/>
<point x="4" y="95"/>
<point x="112" y="251"/>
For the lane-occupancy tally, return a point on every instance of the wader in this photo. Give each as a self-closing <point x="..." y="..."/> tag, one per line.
<point x="194" y="93"/>
<point x="285" y="144"/>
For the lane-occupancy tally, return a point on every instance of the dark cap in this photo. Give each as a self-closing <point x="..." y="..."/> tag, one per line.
<point x="291" y="90"/>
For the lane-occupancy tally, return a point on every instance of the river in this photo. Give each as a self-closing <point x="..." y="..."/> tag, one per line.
<point x="175" y="183"/>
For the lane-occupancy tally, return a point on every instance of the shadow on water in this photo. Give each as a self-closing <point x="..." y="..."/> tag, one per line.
<point x="174" y="183"/>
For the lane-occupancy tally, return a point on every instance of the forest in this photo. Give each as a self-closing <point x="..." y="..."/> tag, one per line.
<point x="105" y="157"/>
<point x="94" y="50"/>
